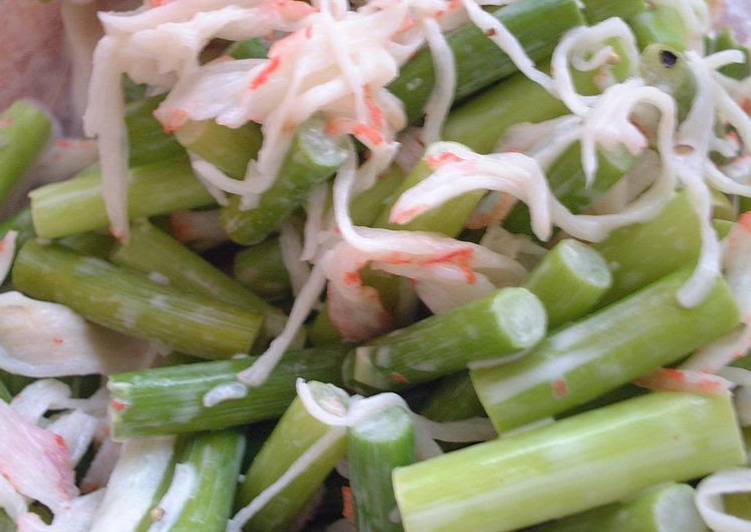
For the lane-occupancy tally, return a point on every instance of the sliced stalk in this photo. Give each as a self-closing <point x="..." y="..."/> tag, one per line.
<point x="453" y="399"/>
<point x="376" y="446"/>
<point x="659" y="24"/>
<point x="598" y="10"/>
<point x="604" y="351"/>
<point x="129" y="303"/>
<point x="94" y="244"/>
<point x="503" y="323"/>
<point x="295" y="433"/>
<point x="261" y="269"/>
<point x="596" y="458"/>
<point x="76" y="205"/>
<point x="147" y="141"/>
<point x="171" y="400"/>
<point x="312" y="159"/>
<point x="228" y="149"/>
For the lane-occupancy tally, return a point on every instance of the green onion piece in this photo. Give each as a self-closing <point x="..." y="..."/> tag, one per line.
<point x="537" y="24"/>
<point x="25" y="132"/>
<point x="659" y="24"/>
<point x="249" y="49"/>
<point x="131" y="304"/>
<point x="147" y="141"/>
<point x="726" y="41"/>
<point x="76" y="205"/>
<point x="376" y="446"/>
<point x="501" y="324"/>
<point x="603" y="352"/>
<point x="598" y="10"/>
<point x="572" y="465"/>
<point x="295" y="433"/>
<point x="94" y="244"/>
<point x="215" y="457"/>
<point x="312" y="159"/>
<point x="666" y="68"/>
<point x="171" y="400"/>
<point x="228" y="149"/>
<point x="453" y="399"/>
<point x="153" y="252"/>
<point x="666" y="507"/>
<point x="261" y="269"/>
<point x="569" y="281"/>
<point x="640" y="254"/>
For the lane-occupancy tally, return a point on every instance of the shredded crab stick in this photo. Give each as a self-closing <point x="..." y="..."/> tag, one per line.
<point x="36" y="461"/>
<point x="77" y="517"/>
<point x="682" y="380"/>
<point x="709" y="498"/>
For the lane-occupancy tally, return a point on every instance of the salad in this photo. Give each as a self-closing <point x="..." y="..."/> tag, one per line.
<point x="379" y="265"/>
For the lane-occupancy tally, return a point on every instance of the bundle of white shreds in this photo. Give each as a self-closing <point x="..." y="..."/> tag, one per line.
<point x="337" y="62"/>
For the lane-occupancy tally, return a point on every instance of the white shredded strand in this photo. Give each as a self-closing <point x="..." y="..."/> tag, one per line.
<point x="298" y="467"/>
<point x="10" y="500"/>
<point x="7" y="252"/>
<point x="442" y="95"/>
<point x="505" y="40"/>
<point x="291" y="250"/>
<point x="224" y="392"/>
<point x="582" y="40"/>
<point x="315" y="209"/>
<point x="709" y="495"/>
<point x="182" y="488"/>
<point x="77" y="429"/>
<point x="257" y="374"/>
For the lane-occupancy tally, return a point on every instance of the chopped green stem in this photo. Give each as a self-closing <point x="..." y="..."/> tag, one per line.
<point x="250" y="49"/>
<point x="5" y="393"/>
<point x="659" y="24"/>
<point x="598" y="10"/>
<point x="376" y="446"/>
<point x="726" y="41"/>
<point x="155" y="253"/>
<point x="666" y="507"/>
<point x="170" y="400"/>
<point x="640" y="254"/>
<point x="453" y="399"/>
<point x="322" y="332"/>
<point x="312" y="159"/>
<point x="228" y="149"/>
<point x="569" y="281"/>
<point x="537" y="24"/>
<point x="567" y="182"/>
<point x="604" y="351"/>
<point x="94" y="244"/>
<point x="148" y="143"/>
<point x="129" y="303"/>
<point x="215" y="457"/>
<point x="503" y="323"/>
<point x="596" y="458"/>
<point x="366" y="207"/>
<point x="25" y="132"/>
<point x="666" y="68"/>
<point x="76" y="205"/>
<point x="295" y="433"/>
<point x="261" y="269"/>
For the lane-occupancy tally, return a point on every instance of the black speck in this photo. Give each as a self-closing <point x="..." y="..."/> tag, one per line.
<point x="668" y="58"/>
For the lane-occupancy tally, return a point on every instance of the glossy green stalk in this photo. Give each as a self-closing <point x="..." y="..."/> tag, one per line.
<point x="295" y="433"/>
<point x="228" y="149"/>
<point x="598" y="10"/>
<point x="537" y="24"/>
<point x="25" y="132"/>
<point x="722" y="227"/>
<point x="6" y="523"/>
<point x="376" y="446"/>
<point x="667" y="69"/>
<point x="738" y="504"/>
<point x="640" y="254"/>
<point x="367" y="205"/>
<point x="724" y="40"/>
<point x="501" y="324"/>
<point x="569" y="281"/>
<point x="659" y="24"/>
<point x="4" y="393"/>
<point x="215" y="457"/>
<point x="76" y="205"/>
<point x="568" y="183"/>
<point x="596" y="458"/>
<point x="261" y="269"/>
<point x="94" y="244"/>
<point x="666" y="507"/>
<point x="155" y="253"/>
<point x="604" y="351"/>
<point x="453" y="399"/>
<point x="129" y="303"/>
<point x="147" y="141"/>
<point x="322" y="332"/>
<point x="312" y="159"/>
<point x="170" y="400"/>
<point x="250" y="49"/>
